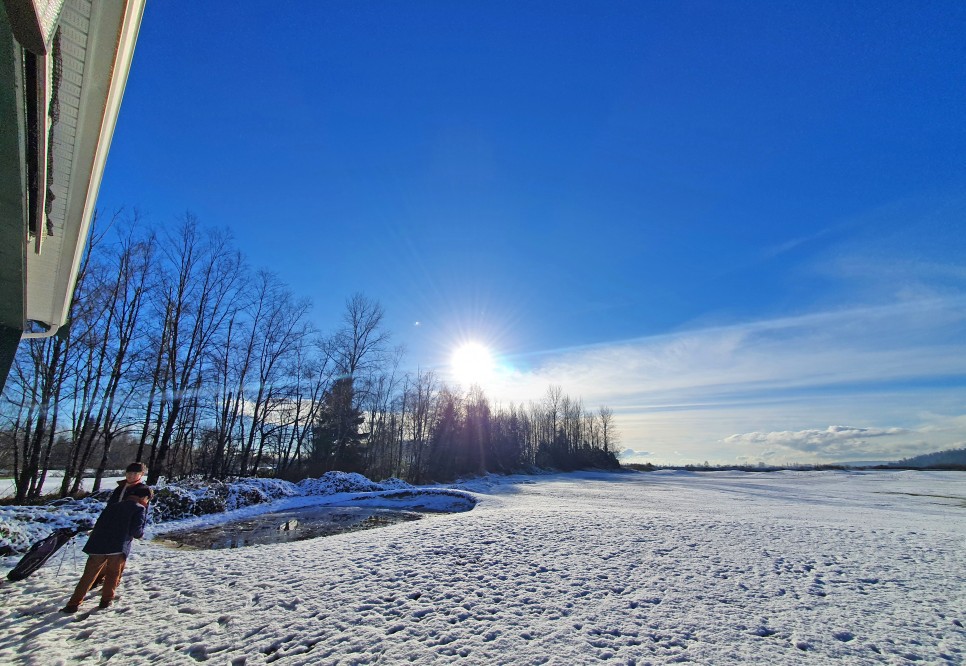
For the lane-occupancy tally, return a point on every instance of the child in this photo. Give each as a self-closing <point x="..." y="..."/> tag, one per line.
<point x="109" y="545"/>
<point x="133" y="475"/>
<point x="132" y="479"/>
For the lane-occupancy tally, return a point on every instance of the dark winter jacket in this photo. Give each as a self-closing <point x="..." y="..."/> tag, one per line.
<point x="123" y="490"/>
<point x="116" y="527"/>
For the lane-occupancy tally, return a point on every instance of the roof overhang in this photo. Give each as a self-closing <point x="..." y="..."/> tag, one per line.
<point x="64" y="65"/>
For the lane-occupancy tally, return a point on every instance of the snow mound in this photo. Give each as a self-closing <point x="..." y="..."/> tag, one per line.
<point x="331" y="483"/>
<point x="393" y="483"/>
<point x="20" y="526"/>
<point x="257" y="491"/>
<point x="186" y="499"/>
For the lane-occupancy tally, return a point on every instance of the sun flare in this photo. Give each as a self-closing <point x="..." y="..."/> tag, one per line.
<point x="472" y="363"/>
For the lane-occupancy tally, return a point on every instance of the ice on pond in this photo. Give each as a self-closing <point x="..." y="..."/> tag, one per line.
<point x="290" y="525"/>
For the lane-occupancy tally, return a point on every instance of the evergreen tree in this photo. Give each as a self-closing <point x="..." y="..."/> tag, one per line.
<point x="337" y="442"/>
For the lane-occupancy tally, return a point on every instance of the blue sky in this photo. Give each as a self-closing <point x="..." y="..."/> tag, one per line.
<point x="741" y="225"/>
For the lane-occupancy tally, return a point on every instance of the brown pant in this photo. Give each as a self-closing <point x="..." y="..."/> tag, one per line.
<point x="109" y="566"/>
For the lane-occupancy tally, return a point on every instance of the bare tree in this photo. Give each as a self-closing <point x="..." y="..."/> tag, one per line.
<point x="357" y="349"/>
<point x="231" y="362"/>
<point x="422" y="401"/>
<point x="125" y="293"/>
<point x="201" y="290"/>
<point x="609" y="437"/>
<point x="552" y="405"/>
<point x="310" y="375"/>
<point x="361" y="343"/>
<point x="46" y="356"/>
<point x="378" y="404"/>
<point x="278" y="325"/>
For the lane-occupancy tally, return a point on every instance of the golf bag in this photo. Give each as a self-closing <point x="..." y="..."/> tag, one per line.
<point x="41" y="551"/>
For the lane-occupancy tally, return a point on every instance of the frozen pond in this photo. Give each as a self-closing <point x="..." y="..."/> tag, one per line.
<point x="289" y="525"/>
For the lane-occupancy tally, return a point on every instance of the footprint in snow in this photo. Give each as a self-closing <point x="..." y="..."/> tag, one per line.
<point x="198" y="652"/>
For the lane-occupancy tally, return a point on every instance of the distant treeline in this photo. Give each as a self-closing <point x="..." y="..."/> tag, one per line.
<point x="708" y="467"/>
<point x="939" y="459"/>
<point x="952" y="459"/>
<point x="180" y="355"/>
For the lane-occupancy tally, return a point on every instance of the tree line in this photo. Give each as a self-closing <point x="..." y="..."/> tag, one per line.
<point x="180" y="355"/>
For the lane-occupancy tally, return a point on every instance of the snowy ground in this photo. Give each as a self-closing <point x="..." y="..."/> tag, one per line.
<point x="52" y="484"/>
<point x="711" y="568"/>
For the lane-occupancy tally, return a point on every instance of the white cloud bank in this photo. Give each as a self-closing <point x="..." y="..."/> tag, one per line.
<point x="630" y="455"/>
<point x="832" y="441"/>
<point x="899" y="371"/>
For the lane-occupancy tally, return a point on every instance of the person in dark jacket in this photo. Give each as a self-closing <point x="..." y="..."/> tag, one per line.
<point x="132" y="479"/>
<point x="133" y="475"/>
<point x="109" y="545"/>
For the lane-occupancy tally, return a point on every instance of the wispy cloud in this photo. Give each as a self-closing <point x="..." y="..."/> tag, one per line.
<point x="723" y="379"/>
<point x="908" y="341"/>
<point x="908" y="249"/>
<point x="794" y="243"/>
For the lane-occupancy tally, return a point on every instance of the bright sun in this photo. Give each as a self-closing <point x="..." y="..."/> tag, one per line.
<point x="472" y="363"/>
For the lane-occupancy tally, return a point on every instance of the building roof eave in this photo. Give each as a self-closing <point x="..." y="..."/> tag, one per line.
<point x="96" y="56"/>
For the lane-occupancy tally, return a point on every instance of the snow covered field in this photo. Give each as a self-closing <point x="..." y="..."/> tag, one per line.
<point x="52" y="484"/>
<point x="634" y="568"/>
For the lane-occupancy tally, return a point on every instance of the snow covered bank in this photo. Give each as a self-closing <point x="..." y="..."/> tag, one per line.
<point x="716" y="568"/>
<point x="212" y="502"/>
